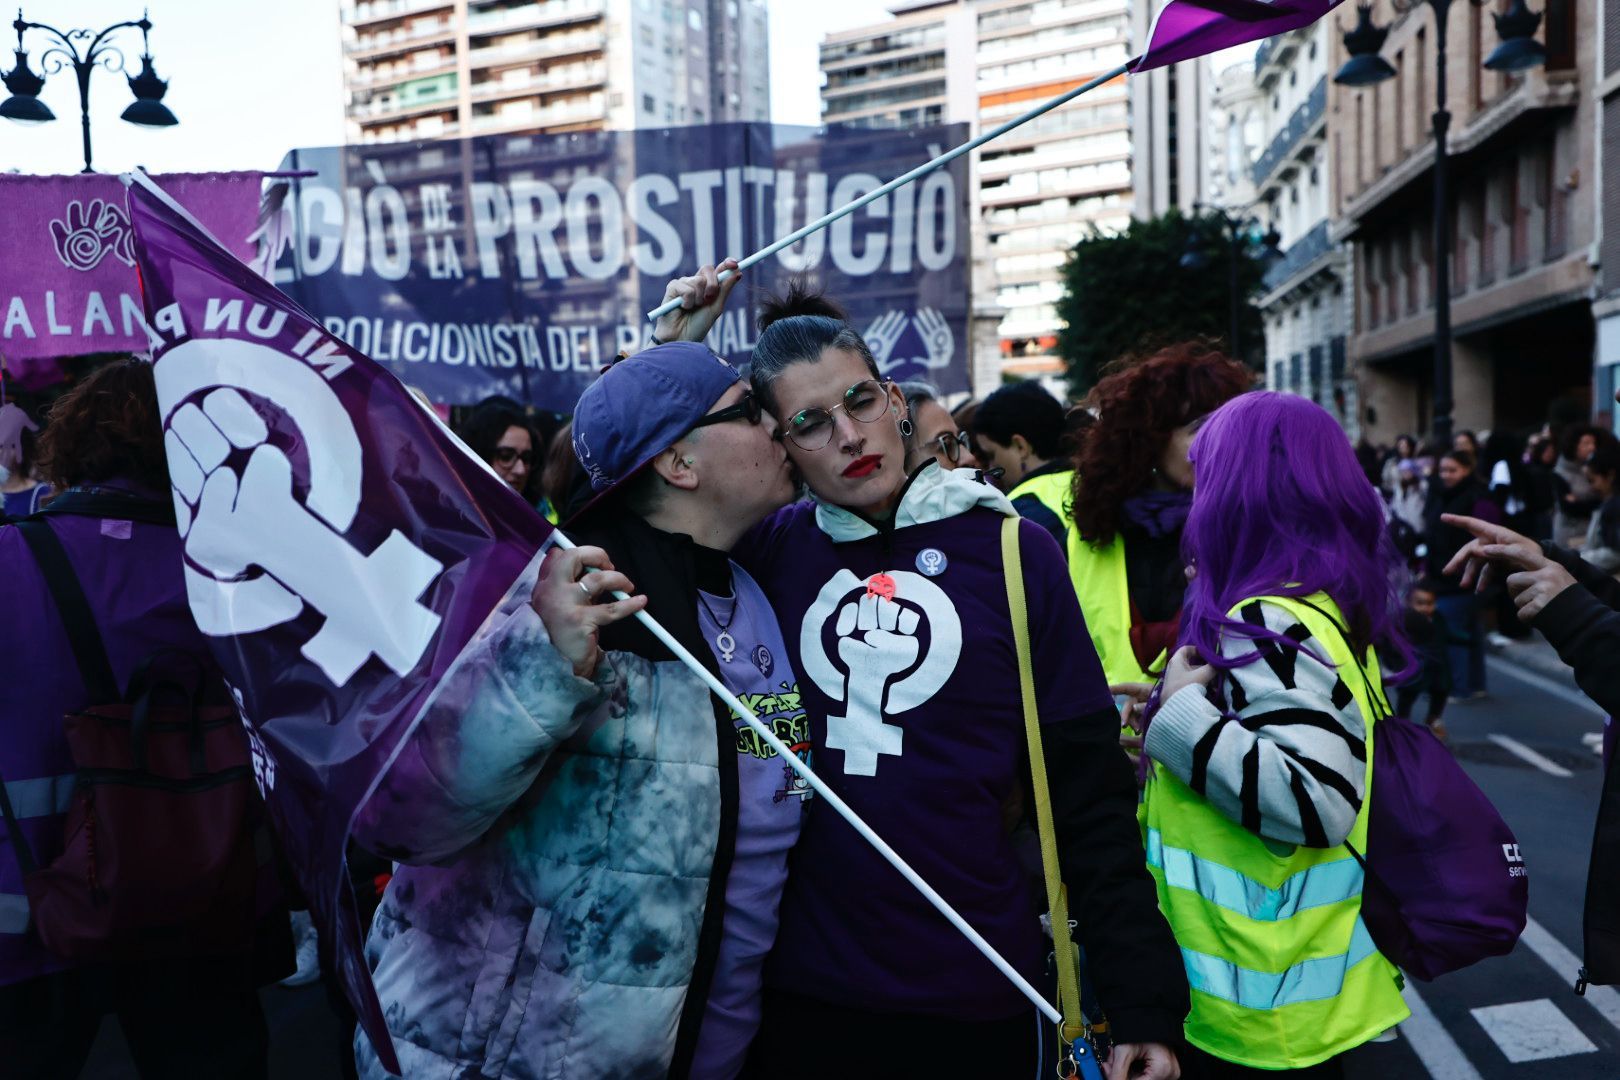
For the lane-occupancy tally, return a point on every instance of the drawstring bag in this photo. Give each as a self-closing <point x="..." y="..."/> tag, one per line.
<point x="1446" y="885"/>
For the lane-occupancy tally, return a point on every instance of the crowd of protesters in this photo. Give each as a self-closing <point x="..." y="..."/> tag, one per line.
<point x="582" y="864"/>
<point x="1554" y="485"/>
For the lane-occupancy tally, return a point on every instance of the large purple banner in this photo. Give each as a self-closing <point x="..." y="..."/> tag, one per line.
<point x="520" y="264"/>
<point x="67" y="283"/>
<point x="342" y="548"/>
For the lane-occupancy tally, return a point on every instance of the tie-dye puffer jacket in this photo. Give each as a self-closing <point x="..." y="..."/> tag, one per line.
<point x="558" y="838"/>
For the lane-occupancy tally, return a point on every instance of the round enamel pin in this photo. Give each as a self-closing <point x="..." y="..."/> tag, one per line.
<point x="932" y="562"/>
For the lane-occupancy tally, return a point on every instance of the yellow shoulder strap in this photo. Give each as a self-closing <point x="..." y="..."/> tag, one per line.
<point x="1056" y="896"/>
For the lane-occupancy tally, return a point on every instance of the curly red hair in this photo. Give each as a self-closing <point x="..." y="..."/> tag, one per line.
<point x="107" y="427"/>
<point x="1140" y="401"/>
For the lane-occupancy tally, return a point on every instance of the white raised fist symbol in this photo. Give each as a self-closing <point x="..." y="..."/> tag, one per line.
<point x="232" y="524"/>
<point x="881" y="669"/>
<point x="876" y="641"/>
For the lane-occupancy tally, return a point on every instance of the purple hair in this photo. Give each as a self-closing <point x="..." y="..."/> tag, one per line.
<point x="1281" y="508"/>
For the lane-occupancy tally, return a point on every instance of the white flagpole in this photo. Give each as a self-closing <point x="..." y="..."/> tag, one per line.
<point x="900" y="181"/>
<point x="837" y="804"/>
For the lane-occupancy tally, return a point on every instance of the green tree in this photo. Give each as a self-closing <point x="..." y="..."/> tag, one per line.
<point x="1134" y="291"/>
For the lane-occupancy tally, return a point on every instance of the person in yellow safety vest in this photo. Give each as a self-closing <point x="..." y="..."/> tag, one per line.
<point x="1132" y="491"/>
<point x="1255" y="814"/>
<point x="1019" y="430"/>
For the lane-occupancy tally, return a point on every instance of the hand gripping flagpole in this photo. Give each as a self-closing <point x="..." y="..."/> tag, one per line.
<point x="821" y="789"/>
<point x="901" y="181"/>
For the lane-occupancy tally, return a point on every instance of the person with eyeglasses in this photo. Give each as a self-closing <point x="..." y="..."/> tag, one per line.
<point x="595" y="846"/>
<point x="934" y="431"/>
<point x="498" y="432"/>
<point x="892" y="596"/>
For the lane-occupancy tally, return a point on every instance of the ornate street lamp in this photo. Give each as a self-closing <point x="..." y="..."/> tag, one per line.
<point x="1517" y="51"/>
<point x="24" y="105"/>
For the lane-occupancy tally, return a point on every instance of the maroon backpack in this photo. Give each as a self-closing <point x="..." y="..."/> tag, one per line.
<point x="158" y="855"/>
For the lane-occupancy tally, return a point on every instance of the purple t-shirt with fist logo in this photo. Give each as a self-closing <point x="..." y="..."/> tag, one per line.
<point x="904" y="647"/>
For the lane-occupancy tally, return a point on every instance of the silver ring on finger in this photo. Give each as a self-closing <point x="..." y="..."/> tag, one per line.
<point x="584" y="588"/>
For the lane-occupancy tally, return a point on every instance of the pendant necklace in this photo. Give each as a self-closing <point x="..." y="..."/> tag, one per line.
<point x="723" y="640"/>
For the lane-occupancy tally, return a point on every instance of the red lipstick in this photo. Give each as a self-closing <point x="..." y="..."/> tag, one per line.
<point x="864" y="466"/>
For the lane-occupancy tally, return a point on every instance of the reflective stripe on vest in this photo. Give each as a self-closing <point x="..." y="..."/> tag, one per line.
<point x="1283" y="971"/>
<point x="42" y="796"/>
<point x="1100" y="584"/>
<point x="13" y="913"/>
<point x="1314" y="886"/>
<point x="1309" y="980"/>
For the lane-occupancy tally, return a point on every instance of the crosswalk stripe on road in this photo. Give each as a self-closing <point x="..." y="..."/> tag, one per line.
<point x="1605" y="999"/>
<point x="1432" y="1043"/>
<point x="1529" y="756"/>
<point x="1532" y="1031"/>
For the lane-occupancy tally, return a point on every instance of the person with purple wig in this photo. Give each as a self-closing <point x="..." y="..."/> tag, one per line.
<point x="1261" y="744"/>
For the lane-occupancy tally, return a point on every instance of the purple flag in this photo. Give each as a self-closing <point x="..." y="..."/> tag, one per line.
<point x="1188" y="28"/>
<point x="342" y="548"/>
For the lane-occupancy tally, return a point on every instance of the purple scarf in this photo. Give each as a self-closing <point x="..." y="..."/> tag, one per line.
<point x="1158" y="513"/>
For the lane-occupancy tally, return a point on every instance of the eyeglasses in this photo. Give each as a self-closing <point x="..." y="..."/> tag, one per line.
<point x="812" y="429"/>
<point x="747" y="409"/>
<point x="951" y="445"/>
<point x="506" y="455"/>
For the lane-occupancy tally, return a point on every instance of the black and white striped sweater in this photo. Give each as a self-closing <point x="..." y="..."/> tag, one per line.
<point x="1292" y="765"/>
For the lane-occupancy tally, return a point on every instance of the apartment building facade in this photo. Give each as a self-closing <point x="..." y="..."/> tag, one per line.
<point x="1305" y="304"/>
<point x="1235" y="137"/>
<point x="1169" y="133"/>
<point x="1523" y="212"/>
<point x="1040" y="187"/>
<point x="428" y="69"/>
<point x="1606" y="306"/>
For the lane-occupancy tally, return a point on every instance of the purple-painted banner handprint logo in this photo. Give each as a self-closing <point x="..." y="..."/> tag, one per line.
<point x="92" y="230"/>
<point x="931" y="328"/>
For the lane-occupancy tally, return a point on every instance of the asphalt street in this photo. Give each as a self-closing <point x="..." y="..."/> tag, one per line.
<point x="1515" y="1018"/>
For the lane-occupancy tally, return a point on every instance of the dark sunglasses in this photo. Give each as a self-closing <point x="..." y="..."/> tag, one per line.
<point x="505" y="455"/>
<point x="747" y="409"/>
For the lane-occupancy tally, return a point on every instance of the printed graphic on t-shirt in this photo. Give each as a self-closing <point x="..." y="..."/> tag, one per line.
<point x="782" y="712"/>
<point x="882" y="667"/>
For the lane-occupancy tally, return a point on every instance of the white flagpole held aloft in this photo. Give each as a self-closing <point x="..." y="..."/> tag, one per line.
<point x="900" y="181"/>
<point x="837" y="804"/>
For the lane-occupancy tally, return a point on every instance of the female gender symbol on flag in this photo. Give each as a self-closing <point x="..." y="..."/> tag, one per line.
<point x="342" y="547"/>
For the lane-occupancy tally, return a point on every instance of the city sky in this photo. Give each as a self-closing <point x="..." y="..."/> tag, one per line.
<point x="250" y="80"/>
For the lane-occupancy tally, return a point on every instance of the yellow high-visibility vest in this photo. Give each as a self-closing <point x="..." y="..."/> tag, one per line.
<point x="1054" y="490"/>
<point x="1098" y="574"/>
<point x="1283" y="971"/>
